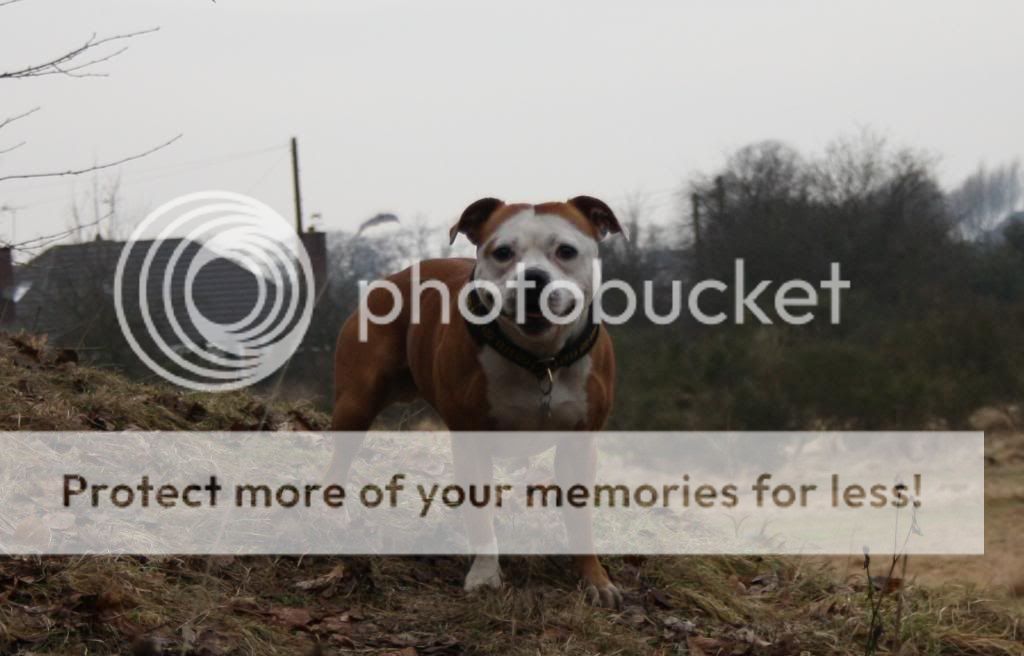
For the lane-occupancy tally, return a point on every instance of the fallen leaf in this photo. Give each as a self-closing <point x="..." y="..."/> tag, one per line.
<point x="886" y="584"/>
<point x="400" y="640"/>
<point x="112" y="600"/>
<point x="704" y="646"/>
<point x="555" y="633"/>
<point x="677" y="625"/>
<point x="634" y="615"/>
<point x="323" y="582"/>
<point x="335" y="624"/>
<point x="747" y="635"/>
<point x="658" y="598"/>
<point x="293" y="618"/>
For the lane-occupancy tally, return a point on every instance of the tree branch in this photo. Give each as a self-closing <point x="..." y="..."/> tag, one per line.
<point x="7" y="121"/>
<point x="69" y="63"/>
<point x="8" y="149"/>
<point x="8" y="2"/>
<point x="38" y="243"/>
<point x="90" y="169"/>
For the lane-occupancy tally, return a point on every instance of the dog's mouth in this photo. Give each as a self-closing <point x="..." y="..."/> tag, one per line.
<point x="534" y="322"/>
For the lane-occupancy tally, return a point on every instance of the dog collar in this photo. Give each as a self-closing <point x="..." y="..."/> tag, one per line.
<point x="490" y="334"/>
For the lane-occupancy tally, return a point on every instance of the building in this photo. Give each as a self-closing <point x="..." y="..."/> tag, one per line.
<point x="67" y="291"/>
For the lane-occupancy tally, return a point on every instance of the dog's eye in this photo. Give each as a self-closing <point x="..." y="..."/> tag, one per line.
<point x="502" y="253"/>
<point x="566" y="252"/>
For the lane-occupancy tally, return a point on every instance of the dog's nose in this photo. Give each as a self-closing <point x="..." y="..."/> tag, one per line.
<point x="539" y="277"/>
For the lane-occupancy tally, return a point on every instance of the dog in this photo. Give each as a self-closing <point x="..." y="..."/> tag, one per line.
<point x="519" y="371"/>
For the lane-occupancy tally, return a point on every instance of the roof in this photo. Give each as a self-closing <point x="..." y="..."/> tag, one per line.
<point x="67" y="285"/>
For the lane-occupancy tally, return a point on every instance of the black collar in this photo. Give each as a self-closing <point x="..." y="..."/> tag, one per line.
<point x="489" y="334"/>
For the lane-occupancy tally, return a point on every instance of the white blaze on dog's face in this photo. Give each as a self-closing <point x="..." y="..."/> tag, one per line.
<point x="542" y="258"/>
<point x="539" y="251"/>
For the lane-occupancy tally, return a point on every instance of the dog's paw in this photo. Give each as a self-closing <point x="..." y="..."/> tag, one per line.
<point x="485" y="573"/>
<point x="602" y="594"/>
<point x="597" y="587"/>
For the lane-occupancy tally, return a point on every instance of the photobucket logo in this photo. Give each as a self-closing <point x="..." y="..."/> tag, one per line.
<point x="214" y="291"/>
<point x="522" y="299"/>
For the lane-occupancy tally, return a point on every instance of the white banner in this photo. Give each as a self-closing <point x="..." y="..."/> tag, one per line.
<point x="651" y="493"/>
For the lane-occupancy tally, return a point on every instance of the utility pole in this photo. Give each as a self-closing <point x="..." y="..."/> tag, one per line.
<point x="13" y="212"/>
<point x="698" y="250"/>
<point x="295" y="184"/>
<point x="720" y="196"/>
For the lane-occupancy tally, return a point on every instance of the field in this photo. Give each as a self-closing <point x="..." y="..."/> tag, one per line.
<point x="408" y="606"/>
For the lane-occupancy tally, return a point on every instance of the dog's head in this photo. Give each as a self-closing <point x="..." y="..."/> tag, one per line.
<point x="547" y="252"/>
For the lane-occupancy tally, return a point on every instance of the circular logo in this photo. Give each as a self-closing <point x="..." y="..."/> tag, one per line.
<point x="214" y="291"/>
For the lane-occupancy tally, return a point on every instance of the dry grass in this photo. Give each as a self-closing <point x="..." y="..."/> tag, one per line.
<point x="406" y="606"/>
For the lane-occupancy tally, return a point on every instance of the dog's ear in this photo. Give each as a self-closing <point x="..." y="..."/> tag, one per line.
<point x="473" y="218"/>
<point x="599" y="214"/>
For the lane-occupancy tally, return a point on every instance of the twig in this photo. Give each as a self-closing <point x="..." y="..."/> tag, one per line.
<point x="898" y="622"/>
<point x="66" y="63"/>
<point x="44" y="241"/>
<point x="90" y="169"/>
<point x="7" y="121"/>
<point x="4" y="151"/>
<point x="875" y="603"/>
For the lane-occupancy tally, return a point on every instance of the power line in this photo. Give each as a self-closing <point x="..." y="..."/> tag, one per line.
<point x="37" y="244"/>
<point x="214" y="160"/>
<point x="179" y="169"/>
<point x="273" y="167"/>
<point x="186" y="166"/>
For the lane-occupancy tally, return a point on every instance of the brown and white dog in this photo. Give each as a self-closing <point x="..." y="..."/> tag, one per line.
<point x="532" y="374"/>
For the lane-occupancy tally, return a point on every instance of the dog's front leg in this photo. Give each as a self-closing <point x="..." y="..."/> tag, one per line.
<point x="576" y="464"/>
<point x="473" y="466"/>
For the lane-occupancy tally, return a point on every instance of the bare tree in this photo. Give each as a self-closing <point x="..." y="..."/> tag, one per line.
<point x="635" y="208"/>
<point x="853" y="167"/>
<point x="103" y="202"/>
<point x="83" y="60"/>
<point x="986" y="197"/>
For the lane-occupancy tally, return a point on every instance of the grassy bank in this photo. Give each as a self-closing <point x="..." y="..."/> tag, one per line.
<point x="408" y="606"/>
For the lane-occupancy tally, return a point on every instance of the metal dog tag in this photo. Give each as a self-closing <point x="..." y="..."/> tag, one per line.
<point x="547" y="383"/>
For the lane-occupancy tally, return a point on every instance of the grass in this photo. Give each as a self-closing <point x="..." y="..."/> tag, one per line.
<point x="288" y="605"/>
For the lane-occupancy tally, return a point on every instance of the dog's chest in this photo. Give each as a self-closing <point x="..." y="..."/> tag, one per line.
<point x="515" y="400"/>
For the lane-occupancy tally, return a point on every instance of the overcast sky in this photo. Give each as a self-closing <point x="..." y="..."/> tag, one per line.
<point x="421" y="107"/>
